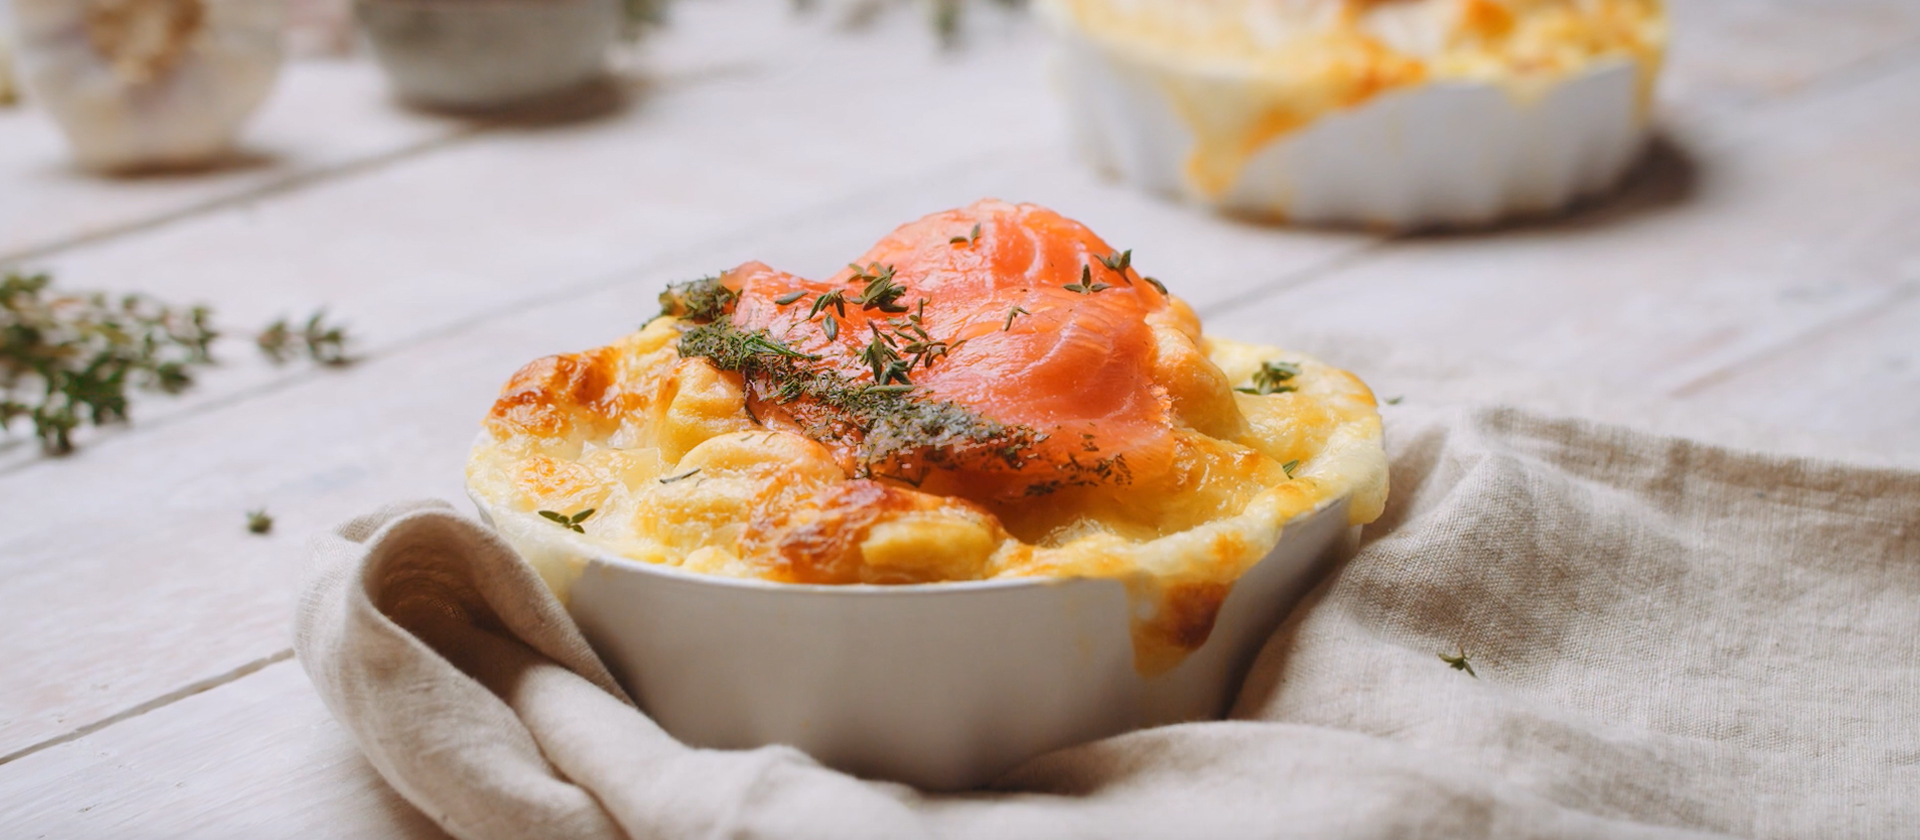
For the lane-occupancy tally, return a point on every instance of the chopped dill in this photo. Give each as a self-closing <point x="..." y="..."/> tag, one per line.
<point x="699" y="301"/>
<point x="883" y="423"/>
<point x="1272" y="378"/>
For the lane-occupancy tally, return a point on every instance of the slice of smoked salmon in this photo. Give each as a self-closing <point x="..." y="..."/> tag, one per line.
<point x="1010" y="311"/>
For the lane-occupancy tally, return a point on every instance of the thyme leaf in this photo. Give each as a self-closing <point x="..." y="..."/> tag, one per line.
<point x="1086" y="286"/>
<point x="259" y="521"/>
<point x="1156" y="284"/>
<point x="835" y="299"/>
<point x="1272" y="378"/>
<point x="1011" y="314"/>
<point x="881" y="291"/>
<point x="571" y="523"/>
<point x="790" y="297"/>
<point x="1290" y="466"/>
<point x="1460" y="661"/>
<point x="1118" y="263"/>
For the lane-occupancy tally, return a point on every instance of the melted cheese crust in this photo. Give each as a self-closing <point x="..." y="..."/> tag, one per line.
<point x="678" y="473"/>
<point x="1299" y="60"/>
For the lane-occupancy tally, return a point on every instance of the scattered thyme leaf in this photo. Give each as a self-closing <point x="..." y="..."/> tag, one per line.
<point x="1290" y="466"/>
<point x="681" y="477"/>
<point x="881" y="292"/>
<point x="1460" y="661"/>
<point x="571" y="523"/>
<point x="1272" y="378"/>
<point x="1394" y="400"/>
<point x="259" y="521"/>
<point x="1011" y="314"/>
<point x="975" y="235"/>
<point x="1086" y="286"/>
<point x="1118" y="263"/>
<point x="1156" y="284"/>
<point x="835" y="299"/>
<point x="832" y="328"/>
<point x="790" y="297"/>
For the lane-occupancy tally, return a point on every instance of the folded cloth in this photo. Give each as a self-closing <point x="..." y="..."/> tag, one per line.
<point x="1559" y="629"/>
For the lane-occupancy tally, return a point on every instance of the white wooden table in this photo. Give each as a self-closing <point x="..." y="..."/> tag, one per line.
<point x="1765" y="267"/>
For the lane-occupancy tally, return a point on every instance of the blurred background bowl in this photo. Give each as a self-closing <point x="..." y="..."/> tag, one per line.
<point x="488" y="54"/>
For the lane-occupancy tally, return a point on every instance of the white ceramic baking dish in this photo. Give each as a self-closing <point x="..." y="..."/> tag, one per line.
<point x="943" y="686"/>
<point x="1441" y="154"/>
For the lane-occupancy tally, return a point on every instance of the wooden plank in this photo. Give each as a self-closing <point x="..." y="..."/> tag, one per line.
<point x="1738" y="53"/>
<point x="1809" y="220"/>
<point x="324" y="116"/>
<point x="1858" y="377"/>
<point x="258" y="757"/>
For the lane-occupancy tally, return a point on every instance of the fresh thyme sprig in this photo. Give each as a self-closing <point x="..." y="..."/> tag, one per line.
<point x="66" y="361"/>
<point x="1272" y="378"/>
<point x="571" y="523"/>
<point x="322" y="343"/>
<point x="72" y="360"/>
<point x="1086" y="286"/>
<point x="1118" y="263"/>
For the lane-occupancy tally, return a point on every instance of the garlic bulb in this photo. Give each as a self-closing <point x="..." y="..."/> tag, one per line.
<point x="149" y="83"/>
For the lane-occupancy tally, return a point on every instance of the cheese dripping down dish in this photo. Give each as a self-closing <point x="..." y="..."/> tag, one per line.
<point x="991" y="392"/>
<point x="1247" y="74"/>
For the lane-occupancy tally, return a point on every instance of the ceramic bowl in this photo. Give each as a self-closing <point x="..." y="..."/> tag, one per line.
<point x="943" y="686"/>
<point x="485" y="54"/>
<point x="1444" y="154"/>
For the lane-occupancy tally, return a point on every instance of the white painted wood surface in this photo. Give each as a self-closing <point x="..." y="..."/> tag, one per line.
<point x="1765" y="267"/>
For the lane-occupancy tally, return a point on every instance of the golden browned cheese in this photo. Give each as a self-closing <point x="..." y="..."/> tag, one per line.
<point x="1199" y="480"/>
<point x="662" y="448"/>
